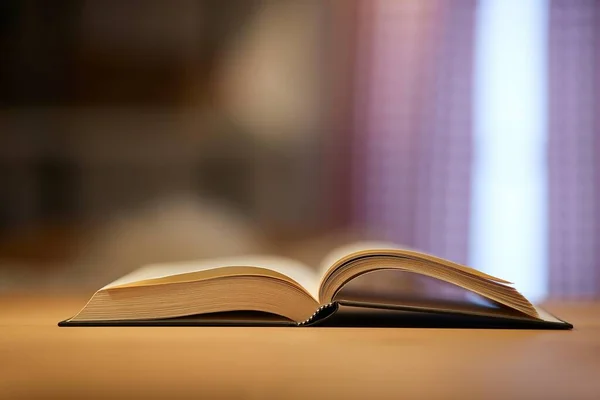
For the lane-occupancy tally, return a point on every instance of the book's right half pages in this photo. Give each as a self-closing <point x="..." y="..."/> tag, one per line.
<point x="387" y="288"/>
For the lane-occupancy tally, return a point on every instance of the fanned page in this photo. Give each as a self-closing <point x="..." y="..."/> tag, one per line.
<point x="349" y="262"/>
<point x="354" y="250"/>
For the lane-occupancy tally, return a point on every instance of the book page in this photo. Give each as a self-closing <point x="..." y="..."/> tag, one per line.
<point x="349" y="262"/>
<point x="240" y="265"/>
<point x="382" y="247"/>
<point x="343" y="251"/>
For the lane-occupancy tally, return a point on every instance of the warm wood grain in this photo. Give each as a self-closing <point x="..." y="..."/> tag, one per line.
<point x="38" y="359"/>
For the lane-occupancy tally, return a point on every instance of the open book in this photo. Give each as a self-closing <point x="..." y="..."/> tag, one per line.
<point x="360" y="284"/>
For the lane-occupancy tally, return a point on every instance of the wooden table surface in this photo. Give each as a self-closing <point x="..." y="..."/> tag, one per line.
<point x="40" y="360"/>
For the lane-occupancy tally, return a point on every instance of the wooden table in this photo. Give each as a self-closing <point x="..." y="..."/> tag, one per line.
<point x="38" y="359"/>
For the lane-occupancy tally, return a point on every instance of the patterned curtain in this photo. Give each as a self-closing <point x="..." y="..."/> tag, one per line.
<point x="413" y="122"/>
<point x="413" y="133"/>
<point x="574" y="149"/>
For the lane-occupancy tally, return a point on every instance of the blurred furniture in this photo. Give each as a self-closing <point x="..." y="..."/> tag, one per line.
<point x="107" y="106"/>
<point x="42" y="360"/>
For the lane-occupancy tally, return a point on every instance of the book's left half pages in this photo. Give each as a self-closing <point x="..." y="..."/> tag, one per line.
<point x="257" y="284"/>
<point x="255" y="265"/>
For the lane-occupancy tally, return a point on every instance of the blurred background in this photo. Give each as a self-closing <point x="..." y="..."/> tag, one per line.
<point x="136" y="131"/>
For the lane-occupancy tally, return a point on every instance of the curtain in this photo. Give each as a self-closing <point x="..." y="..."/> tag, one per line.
<point x="574" y="148"/>
<point x="413" y="131"/>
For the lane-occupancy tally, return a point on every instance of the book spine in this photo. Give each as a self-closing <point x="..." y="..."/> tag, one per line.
<point x="322" y="312"/>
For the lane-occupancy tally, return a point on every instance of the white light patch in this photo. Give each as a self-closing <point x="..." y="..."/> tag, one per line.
<point x="508" y="236"/>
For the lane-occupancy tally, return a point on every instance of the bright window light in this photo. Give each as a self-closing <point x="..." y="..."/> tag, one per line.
<point x="509" y="196"/>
